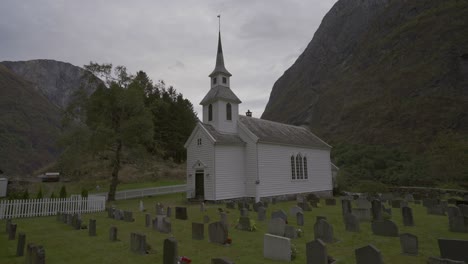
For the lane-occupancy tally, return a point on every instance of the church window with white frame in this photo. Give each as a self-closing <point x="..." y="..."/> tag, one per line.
<point x="299" y="167"/>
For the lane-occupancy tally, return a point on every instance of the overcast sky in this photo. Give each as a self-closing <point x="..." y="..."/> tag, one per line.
<point x="171" y="40"/>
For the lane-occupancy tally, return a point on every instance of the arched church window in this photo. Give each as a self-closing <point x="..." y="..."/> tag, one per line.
<point x="305" y="168"/>
<point x="299" y="172"/>
<point x="224" y="80"/>
<point x="210" y="112"/>
<point x="228" y="112"/>
<point x="214" y="80"/>
<point x="293" y="168"/>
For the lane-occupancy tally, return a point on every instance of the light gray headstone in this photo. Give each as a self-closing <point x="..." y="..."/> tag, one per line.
<point x="217" y="233"/>
<point x="276" y="226"/>
<point x="276" y="247"/>
<point x="290" y="232"/>
<point x="300" y="218"/>
<point x="280" y="214"/>
<point x="351" y="223"/>
<point x="294" y="210"/>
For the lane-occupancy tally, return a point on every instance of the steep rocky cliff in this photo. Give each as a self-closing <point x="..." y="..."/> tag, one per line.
<point x="380" y="72"/>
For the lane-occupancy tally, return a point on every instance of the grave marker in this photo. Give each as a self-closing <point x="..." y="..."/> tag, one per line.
<point x="384" y="228"/>
<point x="170" y="254"/>
<point x="407" y="214"/>
<point x="316" y="252"/>
<point x="276" y="247"/>
<point x="198" y="231"/>
<point x="324" y="231"/>
<point x="409" y="244"/>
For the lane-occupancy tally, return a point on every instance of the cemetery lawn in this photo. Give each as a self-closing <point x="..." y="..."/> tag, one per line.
<point x="64" y="245"/>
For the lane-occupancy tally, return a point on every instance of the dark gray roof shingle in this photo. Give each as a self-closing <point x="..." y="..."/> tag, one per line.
<point x="221" y="138"/>
<point x="220" y="92"/>
<point x="278" y="133"/>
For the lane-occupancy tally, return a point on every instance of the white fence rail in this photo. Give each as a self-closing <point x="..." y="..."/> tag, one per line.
<point x="46" y="207"/>
<point x="137" y="193"/>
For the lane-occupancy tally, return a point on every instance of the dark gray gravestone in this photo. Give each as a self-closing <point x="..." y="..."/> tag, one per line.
<point x="198" y="231"/>
<point x="164" y="225"/>
<point x="304" y="206"/>
<point x="206" y="219"/>
<point x="92" y="227"/>
<point x="290" y="232"/>
<point x="181" y="213"/>
<point x="385" y="228"/>
<point x="368" y="255"/>
<point x="113" y="233"/>
<point x="276" y="226"/>
<point x="437" y="260"/>
<point x="463" y="209"/>
<point x="155" y="223"/>
<point x="7" y="226"/>
<point x="147" y="220"/>
<point x="280" y="214"/>
<point x="363" y="203"/>
<point x="40" y="255"/>
<point x="351" y="223"/>
<point x="12" y="232"/>
<point x="128" y="216"/>
<point x="217" y="233"/>
<point x="456" y="220"/>
<point x="316" y="252"/>
<point x="244" y="212"/>
<point x="138" y="243"/>
<point x="455" y="249"/>
<point x="31" y="250"/>
<point x="407" y="214"/>
<point x="224" y="220"/>
<point x="330" y="201"/>
<point x="169" y="212"/>
<point x="345" y="207"/>
<point x="170" y="254"/>
<point x="244" y="224"/>
<point x="261" y="213"/>
<point x="300" y="218"/>
<point x="221" y="261"/>
<point x="376" y="210"/>
<point x="118" y="214"/>
<point x="110" y="212"/>
<point x="409" y="244"/>
<point x="324" y="231"/>
<point x="21" y="244"/>
<point x="436" y="210"/>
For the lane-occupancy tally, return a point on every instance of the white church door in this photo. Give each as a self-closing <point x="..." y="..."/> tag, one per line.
<point x="199" y="184"/>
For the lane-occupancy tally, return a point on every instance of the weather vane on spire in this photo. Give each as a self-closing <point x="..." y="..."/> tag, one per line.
<point x="219" y="22"/>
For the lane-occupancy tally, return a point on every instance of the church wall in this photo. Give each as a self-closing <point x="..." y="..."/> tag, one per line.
<point x="250" y="159"/>
<point x="223" y="125"/>
<point x="204" y="153"/>
<point x="275" y="170"/>
<point x="230" y="171"/>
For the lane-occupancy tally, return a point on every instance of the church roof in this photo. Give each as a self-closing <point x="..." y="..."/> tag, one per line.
<point x="222" y="138"/>
<point x="278" y="133"/>
<point x="219" y="68"/>
<point x="220" y="92"/>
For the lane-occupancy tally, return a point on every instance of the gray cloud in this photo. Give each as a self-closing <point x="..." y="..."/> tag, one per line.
<point x="171" y="40"/>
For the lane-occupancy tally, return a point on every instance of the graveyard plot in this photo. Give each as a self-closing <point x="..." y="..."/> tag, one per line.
<point x="64" y="244"/>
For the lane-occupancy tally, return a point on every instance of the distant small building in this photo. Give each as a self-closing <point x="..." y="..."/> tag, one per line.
<point x="50" y="177"/>
<point x="231" y="156"/>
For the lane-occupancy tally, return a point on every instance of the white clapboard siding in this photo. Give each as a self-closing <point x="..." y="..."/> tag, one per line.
<point x="230" y="172"/>
<point x="275" y="170"/>
<point x="47" y="207"/>
<point x="250" y="161"/>
<point x="205" y="154"/>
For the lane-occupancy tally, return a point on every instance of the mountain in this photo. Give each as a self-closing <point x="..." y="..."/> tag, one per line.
<point x="380" y="71"/>
<point x="386" y="83"/>
<point x="57" y="80"/>
<point x="29" y="125"/>
<point x="33" y="96"/>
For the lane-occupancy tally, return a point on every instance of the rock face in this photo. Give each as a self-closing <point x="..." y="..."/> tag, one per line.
<point x="380" y="71"/>
<point x="55" y="79"/>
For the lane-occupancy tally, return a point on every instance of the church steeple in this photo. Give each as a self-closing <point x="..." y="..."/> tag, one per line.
<point x="220" y="68"/>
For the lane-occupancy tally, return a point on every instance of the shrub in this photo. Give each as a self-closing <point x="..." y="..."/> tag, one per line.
<point x="39" y="194"/>
<point x="63" y="192"/>
<point x="371" y="187"/>
<point x="25" y="194"/>
<point x="84" y="192"/>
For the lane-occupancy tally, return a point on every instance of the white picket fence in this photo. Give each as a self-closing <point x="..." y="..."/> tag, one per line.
<point x="46" y="207"/>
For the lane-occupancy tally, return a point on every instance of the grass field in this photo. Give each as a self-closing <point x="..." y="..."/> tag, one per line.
<point x="64" y="245"/>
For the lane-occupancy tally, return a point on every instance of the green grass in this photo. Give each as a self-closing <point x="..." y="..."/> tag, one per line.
<point x="64" y="245"/>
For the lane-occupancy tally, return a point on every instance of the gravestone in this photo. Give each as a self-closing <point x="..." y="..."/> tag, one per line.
<point x="217" y="233"/>
<point x="290" y="232"/>
<point x="206" y="219"/>
<point x="169" y="211"/>
<point x="21" y="244"/>
<point x="110" y="212"/>
<point x="170" y="254"/>
<point x="438" y="260"/>
<point x="384" y="228"/>
<point x="280" y="214"/>
<point x="463" y="209"/>
<point x="407" y="214"/>
<point x="221" y="261"/>
<point x="113" y="233"/>
<point x="257" y="205"/>
<point x="181" y="213"/>
<point x="138" y="243"/>
<point x="312" y="197"/>
<point x="316" y="252"/>
<point x="128" y="216"/>
<point x="92" y="227"/>
<point x="276" y="226"/>
<point x="198" y="231"/>
<point x="164" y="225"/>
<point x="147" y="220"/>
<point x="300" y="218"/>
<point x="202" y="207"/>
<point x="244" y="212"/>
<point x="31" y="252"/>
<point x="409" y="244"/>
<point x="304" y="206"/>
<point x="261" y="214"/>
<point x="345" y="207"/>
<point x="320" y="217"/>
<point x="455" y="249"/>
<point x="118" y="214"/>
<point x="330" y="201"/>
<point x="324" y="231"/>
<point x="362" y="214"/>
<point x="363" y="203"/>
<point x="409" y="197"/>
<point x="376" y="210"/>
<point x="12" y="232"/>
<point x="159" y="209"/>
<point x="244" y="224"/>
<point x="351" y="223"/>
<point x="224" y="220"/>
<point x="456" y="220"/>
<point x="7" y="226"/>
<point x="294" y="210"/>
<point x="368" y="255"/>
<point x="435" y="210"/>
<point x="387" y="196"/>
<point x="142" y="206"/>
<point x="39" y="255"/>
<point x="276" y="247"/>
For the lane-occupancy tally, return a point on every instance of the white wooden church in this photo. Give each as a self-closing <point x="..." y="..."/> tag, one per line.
<point x="233" y="156"/>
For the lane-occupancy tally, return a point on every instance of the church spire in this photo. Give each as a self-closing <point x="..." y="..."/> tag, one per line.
<point x="219" y="68"/>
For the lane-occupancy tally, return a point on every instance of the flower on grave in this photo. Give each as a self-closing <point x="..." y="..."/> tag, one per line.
<point x="299" y="232"/>
<point x="228" y="240"/>
<point x="293" y="251"/>
<point x="184" y="260"/>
